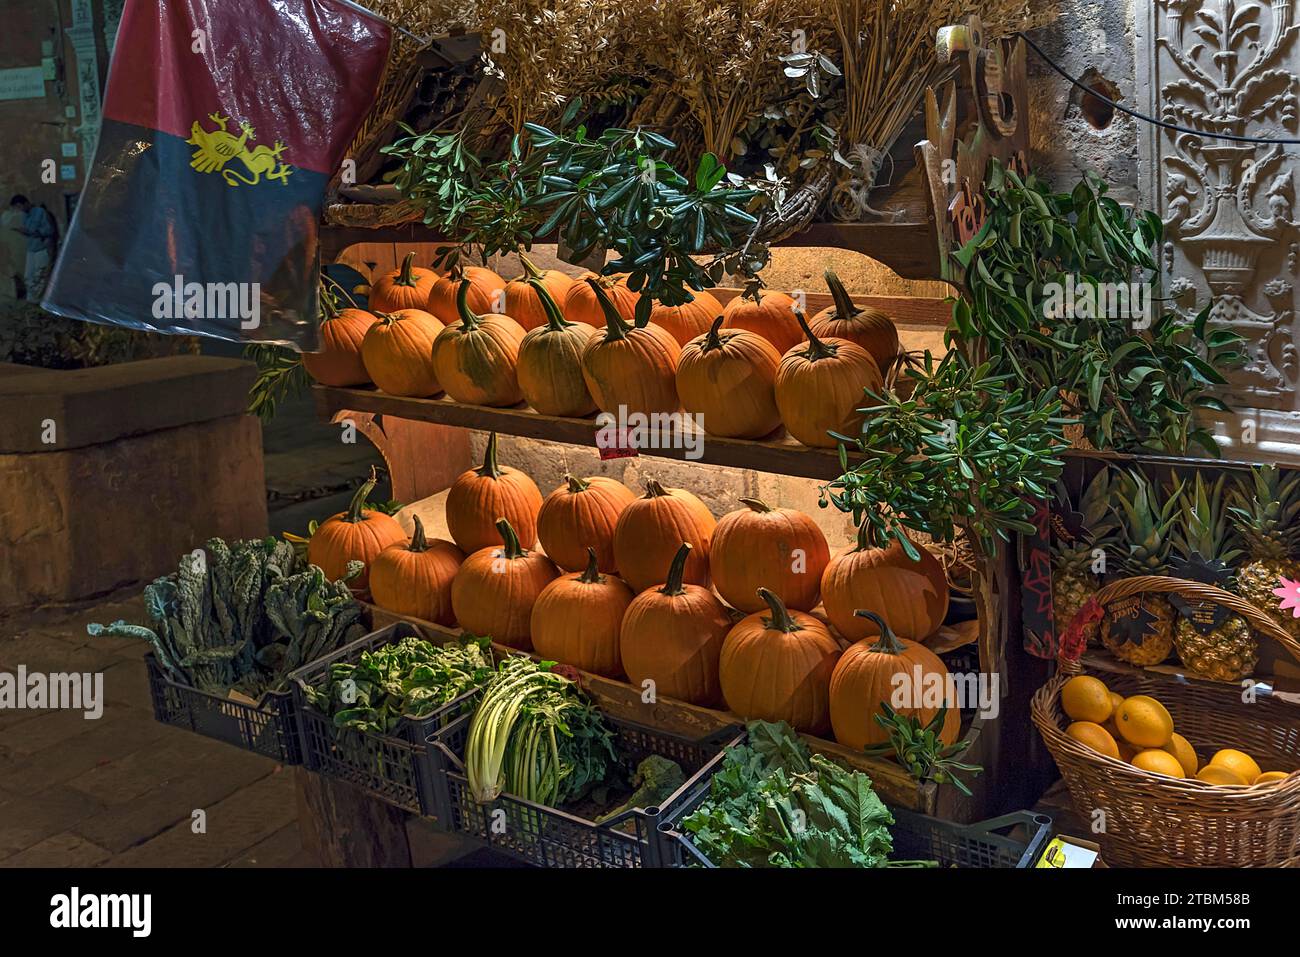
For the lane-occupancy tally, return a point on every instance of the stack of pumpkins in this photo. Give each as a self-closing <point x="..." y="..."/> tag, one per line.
<point x="622" y="588"/>
<point x="571" y="347"/>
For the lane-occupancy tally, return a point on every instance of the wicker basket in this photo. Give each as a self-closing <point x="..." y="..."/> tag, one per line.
<point x="1153" y="821"/>
<point x="1259" y="622"/>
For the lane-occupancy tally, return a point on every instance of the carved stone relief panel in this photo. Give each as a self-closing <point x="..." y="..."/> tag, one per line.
<point x="1221" y="69"/>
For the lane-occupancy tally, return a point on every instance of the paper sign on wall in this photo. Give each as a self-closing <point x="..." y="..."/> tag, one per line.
<point x="22" y="83"/>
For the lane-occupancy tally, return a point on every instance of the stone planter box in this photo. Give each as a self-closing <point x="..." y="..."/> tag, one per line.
<point x="108" y="475"/>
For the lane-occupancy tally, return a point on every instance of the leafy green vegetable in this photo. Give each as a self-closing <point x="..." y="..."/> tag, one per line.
<point x="656" y="778"/>
<point x="775" y="804"/>
<point x="410" y="678"/>
<point x="536" y="736"/>
<point x="241" y="616"/>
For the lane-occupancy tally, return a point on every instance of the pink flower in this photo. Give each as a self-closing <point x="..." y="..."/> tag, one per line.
<point x="1290" y="595"/>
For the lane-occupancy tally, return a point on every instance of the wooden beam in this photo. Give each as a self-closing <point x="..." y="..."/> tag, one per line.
<point x="778" y="454"/>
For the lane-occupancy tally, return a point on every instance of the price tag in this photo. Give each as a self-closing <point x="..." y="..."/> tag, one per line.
<point x="615" y="443"/>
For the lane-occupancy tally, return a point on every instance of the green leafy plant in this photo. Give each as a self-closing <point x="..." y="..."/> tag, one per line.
<point x="1132" y="379"/>
<point x="920" y="750"/>
<point x="614" y="190"/>
<point x="968" y="449"/>
<point x="410" y="678"/>
<point x="773" y="803"/>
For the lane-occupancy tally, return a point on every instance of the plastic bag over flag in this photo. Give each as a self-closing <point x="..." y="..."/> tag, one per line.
<point x="223" y="123"/>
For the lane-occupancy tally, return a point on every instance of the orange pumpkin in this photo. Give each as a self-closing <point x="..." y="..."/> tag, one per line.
<point x="910" y="594"/>
<point x="480" y="497"/>
<point x="819" y="388"/>
<point x="688" y="320"/>
<point x="777" y="667"/>
<point x="763" y="547"/>
<point x="582" y="305"/>
<point x="398" y="353"/>
<point x="672" y="636"/>
<point x="728" y="377"/>
<point x="406" y="287"/>
<point x="580" y="515"/>
<point x="550" y="362"/>
<point x="415" y="578"/>
<point x="355" y="535"/>
<point x="630" y="367"/>
<point x="865" y="678"/>
<point x="522" y="302"/>
<point x="577" y="617"/>
<point x="475" y="358"/>
<point x="339" y="362"/>
<point x="767" y="314"/>
<point x="494" y="592"/>
<point x="486" y="293"/>
<point x="868" y="327"/>
<point x="652" y="528"/>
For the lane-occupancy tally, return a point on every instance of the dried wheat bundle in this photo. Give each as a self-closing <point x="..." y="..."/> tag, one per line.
<point x="887" y="51"/>
<point x="722" y="57"/>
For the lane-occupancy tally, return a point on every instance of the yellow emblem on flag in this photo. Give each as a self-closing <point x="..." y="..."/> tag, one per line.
<point x="216" y="148"/>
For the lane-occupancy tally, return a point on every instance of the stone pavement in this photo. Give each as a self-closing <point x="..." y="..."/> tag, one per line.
<point x="121" y="790"/>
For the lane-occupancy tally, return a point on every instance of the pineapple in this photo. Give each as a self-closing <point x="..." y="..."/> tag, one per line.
<point x="1145" y="522"/>
<point x="1229" y="651"/>
<point x="1073" y="579"/>
<point x="1269" y="524"/>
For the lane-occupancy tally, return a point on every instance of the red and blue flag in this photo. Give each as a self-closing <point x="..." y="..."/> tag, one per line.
<point x="223" y="123"/>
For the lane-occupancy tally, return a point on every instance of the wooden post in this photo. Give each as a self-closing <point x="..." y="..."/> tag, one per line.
<point x="343" y="827"/>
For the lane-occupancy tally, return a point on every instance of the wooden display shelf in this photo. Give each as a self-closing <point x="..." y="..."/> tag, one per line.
<point x="622" y="700"/>
<point x="778" y="454"/>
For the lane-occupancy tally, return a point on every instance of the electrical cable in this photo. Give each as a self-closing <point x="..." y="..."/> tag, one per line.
<point x="1142" y="116"/>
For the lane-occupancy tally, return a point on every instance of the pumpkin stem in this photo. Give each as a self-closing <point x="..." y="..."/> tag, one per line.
<point x="354" y="513"/>
<point x="530" y="270"/>
<point x="387" y="318"/>
<point x="616" y="327"/>
<point x="511" y="549"/>
<point x="327" y="305"/>
<point x="654" y="489"/>
<point x="490" y="468"/>
<point x="555" y="320"/>
<point x="576" y="484"/>
<point x="592" y="575"/>
<point x="867" y="536"/>
<point x="468" y="318"/>
<point x="418" y="542"/>
<point x="404" y="275"/>
<point x="781" y="619"/>
<point x="757" y="504"/>
<point x="677" y="572"/>
<point x="844" y="307"/>
<point x="711" y="339"/>
<point x="889" y="643"/>
<point x="816" y="348"/>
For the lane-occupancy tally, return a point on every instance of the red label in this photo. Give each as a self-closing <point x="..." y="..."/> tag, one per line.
<point x="614" y="444"/>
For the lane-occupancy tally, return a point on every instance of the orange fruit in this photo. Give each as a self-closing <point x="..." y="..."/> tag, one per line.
<point x="1085" y="698"/>
<point x="1144" y="722"/>
<point x="1268" y="777"/>
<point x="1116" y="700"/>
<point x="1179" y="747"/>
<point x="1238" y="762"/>
<point x="1093" y="735"/>
<point x="1158" y="762"/>
<point x="1218" y="774"/>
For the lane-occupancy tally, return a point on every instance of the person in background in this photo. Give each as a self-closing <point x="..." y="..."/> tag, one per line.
<point x="13" y="254"/>
<point x="38" y="227"/>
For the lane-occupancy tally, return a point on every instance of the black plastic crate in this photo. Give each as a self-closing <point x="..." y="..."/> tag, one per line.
<point x="1011" y="841"/>
<point x="394" y="768"/>
<point x="268" y="728"/>
<point x="549" y="837"/>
